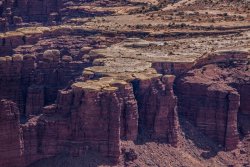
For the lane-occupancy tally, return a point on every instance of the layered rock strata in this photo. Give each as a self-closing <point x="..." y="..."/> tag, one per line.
<point x="11" y="149"/>
<point x="12" y="13"/>
<point x="104" y="100"/>
<point x="156" y="104"/>
<point x="123" y="95"/>
<point x="32" y="81"/>
<point x="108" y="107"/>
<point x="214" y="105"/>
<point x="212" y="98"/>
<point x="15" y="75"/>
<point x="55" y="105"/>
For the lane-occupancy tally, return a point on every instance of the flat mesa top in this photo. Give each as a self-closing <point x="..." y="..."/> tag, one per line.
<point x="137" y="55"/>
<point x="180" y="50"/>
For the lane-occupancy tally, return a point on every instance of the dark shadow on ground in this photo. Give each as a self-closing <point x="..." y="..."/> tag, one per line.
<point x="91" y="159"/>
<point x="203" y="142"/>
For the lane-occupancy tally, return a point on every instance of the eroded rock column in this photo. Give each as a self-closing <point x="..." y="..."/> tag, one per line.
<point x="156" y="104"/>
<point x="11" y="149"/>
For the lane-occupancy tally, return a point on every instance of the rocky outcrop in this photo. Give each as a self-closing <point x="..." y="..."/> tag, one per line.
<point x="11" y="148"/>
<point x="79" y="100"/>
<point x="45" y="136"/>
<point x="53" y="74"/>
<point x="28" y="10"/>
<point x="156" y="105"/>
<point x="97" y="111"/>
<point x="15" y="75"/>
<point x="209" y="97"/>
<point x="71" y="88"/>
<point x="37" y="10"/>
<point x="129" y="111"/>
<point x="32" y="82"/>
<point x="210" y="109"/>
<point x="109" y="108"/>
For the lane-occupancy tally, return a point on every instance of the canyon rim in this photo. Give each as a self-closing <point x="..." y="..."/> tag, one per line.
<point x="132" y="83"/>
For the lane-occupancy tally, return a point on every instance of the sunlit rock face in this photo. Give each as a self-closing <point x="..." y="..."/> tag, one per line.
<point x="124" y="83"/>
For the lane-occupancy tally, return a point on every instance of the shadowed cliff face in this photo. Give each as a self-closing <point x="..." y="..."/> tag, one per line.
<point x="14" y="12"/>
<point x="111" y="79"/>
<point x="157" y="109"/>
<point x="11" y="134"/>
<point x="76" y="106"/>
<point x="21" y="13"/>
<point x="93" y="117"/>
<point x="91" y="114"/>
<point x="113" y="101"/>
<point x="33" y="83"/>
<point x="212" y="98"/>
<point x="103" y="107"/>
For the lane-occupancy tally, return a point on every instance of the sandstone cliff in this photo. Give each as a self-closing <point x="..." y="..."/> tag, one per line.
<point x="11" y="149"/>
<point x="211" y="98"/>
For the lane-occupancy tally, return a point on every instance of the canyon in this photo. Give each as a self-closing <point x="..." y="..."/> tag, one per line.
<point x="128" y="83"/>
